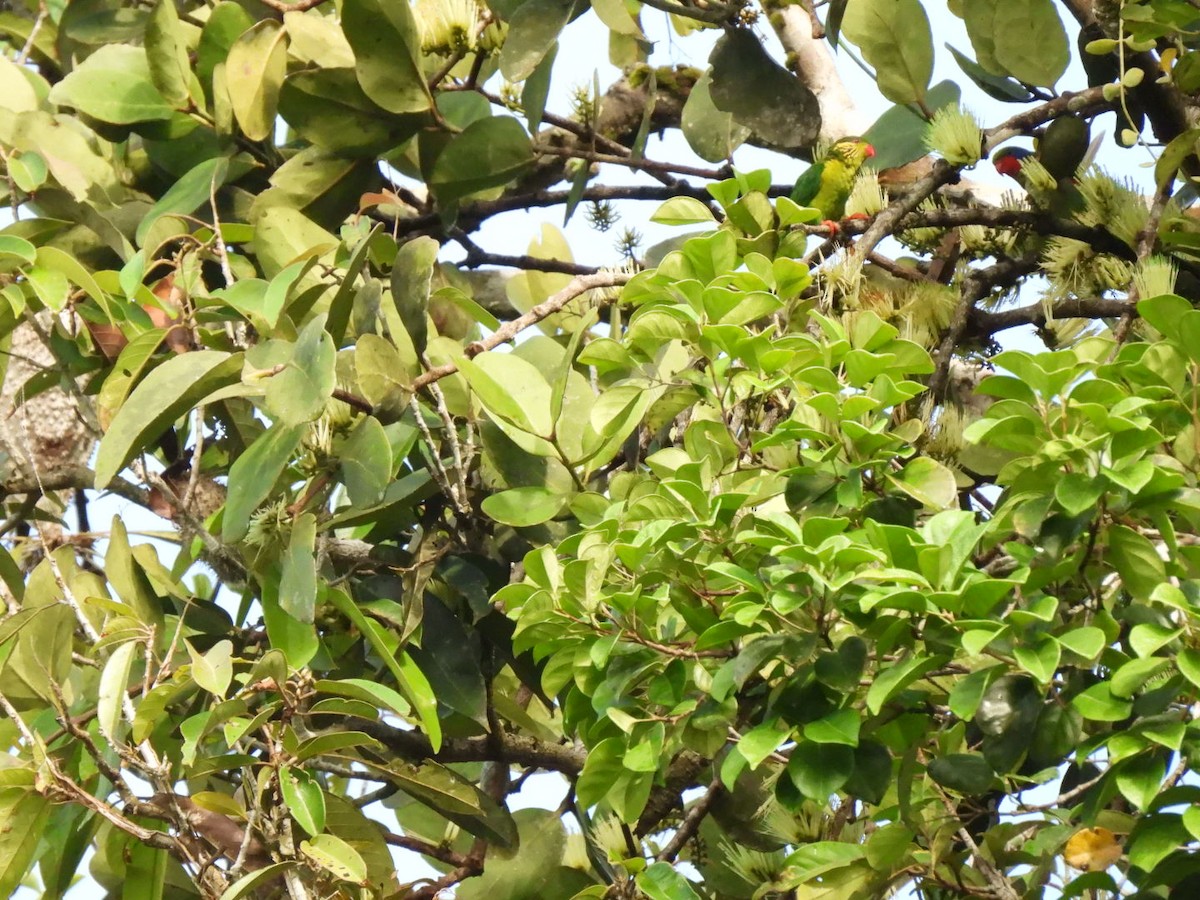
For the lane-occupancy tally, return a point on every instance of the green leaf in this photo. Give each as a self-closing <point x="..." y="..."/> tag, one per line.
<point x="780" y="109"/>
<point x="450" y="658"/>
<point x="895" y="38"/>
<point x="895" y="678"/>
<point x="1154" y="838"/>
<point x="113" y="85"/>
<point x="114" y="683"/>
<point x="898" y="136"/>
<point x="304" y="798"/>
<point x="299" y="393"/>
<point x="999" y="87"/>
<point x="378" y="695"/>
<point x="1136" y="560"/>
<point x="24" y="813"/>
<point x="19" y="249"/>
<point x="213" y="670"/>
<point x="330" y="109"/>
<point x="1022" y="38"/>
<point x="366" y="458"/>
<point x="818" y="770"/>
<point x="387" y="53"/>
<point x="335" y="856"/>
<point x="412" y="681"/>
<point x="711" y="133"/>
<point x="254" y="474"/>
<point x="254" y="72"/>
<point x="127" y="578"/>
<point x="186" y="195"/>
<point x="383" y="374"/>
<point x="967" y="773"/>
<point x="342" y="304"/>
<point x="521" y="507"/>
<point x="660" y="881"/>
<point x="1098" y="704"/>
<point x="56" y="260"/>
<point x="28" y="170"/>
<point x="298" y="640"/>
<point x="1086" y="641"/>
<point x="412" y="274"/>
<point x="532" y="31"/>
<point x="298" y="580"/>
<point x="167" y="54"/>
<point x="226" y="23"/>
<point x="537" y="89"/>
<point x="511" y="390"/>
<point x="1040" y="661"/>
<point x="927" y="481"/>
<point x="839" y="727"/>
<point x="248" y="884"/>
<point x="683" y="211"/>
<point x="488" y="153"/>
<point x="163" y="396"/>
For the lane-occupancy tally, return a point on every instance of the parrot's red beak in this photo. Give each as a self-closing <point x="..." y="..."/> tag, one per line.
<point x="869" y="152"/>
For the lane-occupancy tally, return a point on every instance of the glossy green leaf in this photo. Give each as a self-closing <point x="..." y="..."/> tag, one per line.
<point x="304" y="798"/>
<point x="411" y="275"/>
<point x="966" y="773"/>
<point x="895" y="38"/>
<point x="298" y="580"/>
<point x="186" y="195"/>
<point x="817" y="770"/>
<point x="167" y="54"/>
<point x="213" y="669"/>
<point x="254" y="72"/>
<point x="114" y="682"/>
<point x="532" y="31"/>
<point x="1024" y="39"/>
<point x="711" y="133"/>
<point x="488" y="153"/>
<point x="661" y="881"/>
<point x="525" y="506"/>
<point x="781" y="109"/>
<point x="254" y="474"/>
<point x="300" y="392"/>
<point x="386" y="44"/>
<point x="330" y="109"/>
<point x="331" y="853"/>
<point x="114" y="85"/>
<point x="366" y="462"/>
<point x="164" y="395"/>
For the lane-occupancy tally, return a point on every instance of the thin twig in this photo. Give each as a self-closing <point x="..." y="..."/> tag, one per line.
<point x="509" y="330"/>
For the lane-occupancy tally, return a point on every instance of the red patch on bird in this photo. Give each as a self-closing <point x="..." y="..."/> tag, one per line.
<point x="1008" y="165"/>
<point x="869" y="152"/>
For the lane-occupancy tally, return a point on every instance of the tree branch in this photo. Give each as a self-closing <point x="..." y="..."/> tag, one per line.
<point x="509" y="330"/>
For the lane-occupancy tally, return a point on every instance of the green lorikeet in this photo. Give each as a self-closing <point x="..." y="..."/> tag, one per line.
<point x="826" y="184"/>
<point x="1063" y="148"/>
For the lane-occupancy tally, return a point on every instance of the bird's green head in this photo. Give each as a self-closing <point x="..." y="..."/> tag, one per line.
<point x="851" y="152"/>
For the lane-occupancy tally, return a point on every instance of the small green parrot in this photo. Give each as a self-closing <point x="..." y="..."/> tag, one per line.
<point x="826" y="184"/>
<point x="1065" y="145"/>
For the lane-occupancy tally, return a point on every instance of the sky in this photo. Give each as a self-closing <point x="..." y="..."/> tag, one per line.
<point x="510" y="233"/>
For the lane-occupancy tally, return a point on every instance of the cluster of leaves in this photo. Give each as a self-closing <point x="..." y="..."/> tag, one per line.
<point x="715" y="541"/>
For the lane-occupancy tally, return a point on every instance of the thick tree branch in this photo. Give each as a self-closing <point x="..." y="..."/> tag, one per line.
<point x="982" y="323"/>
<point x="514" y="749"/>
<point x="975" y="287"/>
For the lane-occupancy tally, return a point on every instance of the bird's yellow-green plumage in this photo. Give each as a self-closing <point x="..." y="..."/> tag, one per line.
<point x="827" y="183"/>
